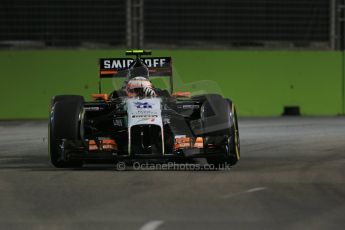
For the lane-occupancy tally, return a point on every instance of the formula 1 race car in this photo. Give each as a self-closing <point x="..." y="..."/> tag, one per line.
<point x="140" y="121"/>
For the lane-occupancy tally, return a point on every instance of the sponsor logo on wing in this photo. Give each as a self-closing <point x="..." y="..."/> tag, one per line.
<point x="143" y="105"/>
<point x="124" y="63"/>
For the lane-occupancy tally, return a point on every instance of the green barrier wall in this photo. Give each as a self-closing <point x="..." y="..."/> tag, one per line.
<point x="260" y="82"/>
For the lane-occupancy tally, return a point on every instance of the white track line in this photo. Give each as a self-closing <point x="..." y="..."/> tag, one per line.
<point x="256" y="189"/>
<point x="152" y="225"/>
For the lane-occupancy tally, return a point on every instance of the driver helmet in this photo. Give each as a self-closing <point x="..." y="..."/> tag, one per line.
<point x="139" y="87"/>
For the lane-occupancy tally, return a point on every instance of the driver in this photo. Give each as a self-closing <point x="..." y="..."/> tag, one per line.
<point x="139" y="87"/>
<point x="138" y="83"/>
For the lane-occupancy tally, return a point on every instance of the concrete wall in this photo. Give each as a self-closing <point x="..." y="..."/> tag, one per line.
<point x="260" y="82"/>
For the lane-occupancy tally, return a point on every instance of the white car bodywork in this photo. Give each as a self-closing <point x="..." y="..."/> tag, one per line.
<point x="144" y="111"/>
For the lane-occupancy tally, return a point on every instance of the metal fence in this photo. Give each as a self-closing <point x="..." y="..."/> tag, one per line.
<point x="62" y="22"/>
<point x="237" y="22"/>
<point x="172" y="23"/>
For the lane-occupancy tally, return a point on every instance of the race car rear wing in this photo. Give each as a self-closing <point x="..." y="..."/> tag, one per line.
<point x="117" y="67"/>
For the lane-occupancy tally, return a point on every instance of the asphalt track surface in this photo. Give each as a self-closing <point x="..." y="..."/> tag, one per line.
<point x="291" y="176"/>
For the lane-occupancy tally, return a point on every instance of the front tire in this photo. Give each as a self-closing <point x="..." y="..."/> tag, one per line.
<point x="220" y="126"/>
<point x="64" y="123"/>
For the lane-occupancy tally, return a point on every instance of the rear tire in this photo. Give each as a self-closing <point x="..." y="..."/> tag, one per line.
<point x="65" y="123"/>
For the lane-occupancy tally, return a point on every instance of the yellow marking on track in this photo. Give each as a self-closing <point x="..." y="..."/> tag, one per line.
<point x="236" y="141"/>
